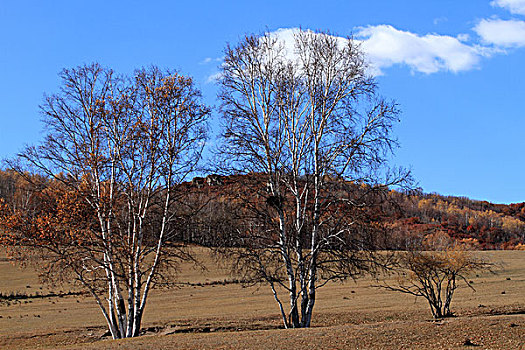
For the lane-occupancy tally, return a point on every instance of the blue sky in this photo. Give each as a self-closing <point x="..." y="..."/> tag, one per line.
<point x="455" y="67"/>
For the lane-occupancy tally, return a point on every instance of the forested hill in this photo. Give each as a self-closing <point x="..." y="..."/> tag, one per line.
<point x="481" y="224"/>
<point x="415" y="216"/>
<point x="409" y="217"/>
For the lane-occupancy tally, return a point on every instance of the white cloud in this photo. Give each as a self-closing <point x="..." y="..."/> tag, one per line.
<point x="504" y="33"/>
<point x="440" y="20"/>
<point x="208" y="60"/>
<point x="286" y="37"/>
<point x="514" y="6"/>
<point x="213" y="78"/>
<point x="387" y="46"/>
<point x="463" y="37"/>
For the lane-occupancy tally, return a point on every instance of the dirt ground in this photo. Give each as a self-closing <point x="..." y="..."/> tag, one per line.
<point x="211" y="314"/>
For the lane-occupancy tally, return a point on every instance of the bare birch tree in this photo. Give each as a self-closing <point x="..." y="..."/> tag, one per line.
<point x="310" y="120"/>
<point x="116" y="150"/>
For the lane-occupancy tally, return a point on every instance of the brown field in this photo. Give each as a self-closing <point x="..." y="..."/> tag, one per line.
<point x="212" y="315"/>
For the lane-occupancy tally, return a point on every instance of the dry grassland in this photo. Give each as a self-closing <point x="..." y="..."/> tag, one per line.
<point x="208" y="314"/>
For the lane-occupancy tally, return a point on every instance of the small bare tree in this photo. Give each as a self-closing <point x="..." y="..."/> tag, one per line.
<point x="115" y="153"/>
<point x="310" y="121"/>
<point x="434" y="275"/>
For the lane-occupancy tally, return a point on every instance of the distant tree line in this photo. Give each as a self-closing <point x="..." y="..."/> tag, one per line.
<point x="209" y="212"/>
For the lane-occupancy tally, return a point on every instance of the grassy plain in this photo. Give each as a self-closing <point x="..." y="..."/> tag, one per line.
<point x="205" y="313"/>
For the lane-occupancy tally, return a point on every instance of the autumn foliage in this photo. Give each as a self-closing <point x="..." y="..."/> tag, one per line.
<point x="477" y="224"/>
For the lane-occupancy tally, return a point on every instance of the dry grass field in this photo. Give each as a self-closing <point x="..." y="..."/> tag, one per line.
<point x="209" y="314"/>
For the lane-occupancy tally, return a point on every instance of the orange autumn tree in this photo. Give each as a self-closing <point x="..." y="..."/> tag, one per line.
<point x="116" y="151"/>
<point x="54" y="221"/>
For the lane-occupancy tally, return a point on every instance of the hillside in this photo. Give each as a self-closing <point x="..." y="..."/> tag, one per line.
<point x="408" y="216"/>
<point x="216" y="201"/>
<point x="481" y="224"/>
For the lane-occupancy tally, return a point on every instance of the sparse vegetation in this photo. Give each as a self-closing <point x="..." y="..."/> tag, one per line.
<point x="18" y="296"/>
<point x="435" y="275"/>
<point x="214" y="315"/>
